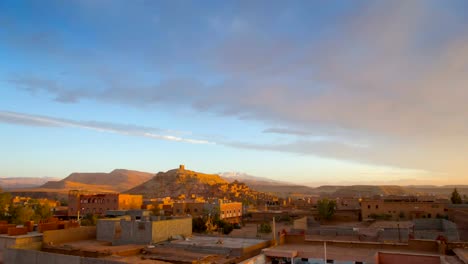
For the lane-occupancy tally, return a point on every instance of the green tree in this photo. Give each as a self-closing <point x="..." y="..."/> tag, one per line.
<point x="20" y="214"/>
<point x="225" y="226"/>
<point x="5" y="204"/>
<point x="42" y="212"/>
<point x="326" y="208"/>
<point x="89" y="220"/>
<point x="456" y="198"/>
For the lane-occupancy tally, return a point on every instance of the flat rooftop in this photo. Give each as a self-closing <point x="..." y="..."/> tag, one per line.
<point x="225" y="242"/>
<point x="340" y="253"/>
<point x="30" y="234"/>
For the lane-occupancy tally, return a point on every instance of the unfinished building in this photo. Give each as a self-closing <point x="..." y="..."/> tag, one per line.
<point x="148" y="230"/>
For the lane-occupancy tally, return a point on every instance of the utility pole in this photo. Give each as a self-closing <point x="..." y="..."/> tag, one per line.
<point x="325" y="251"/>
<point x="274" y="231"/>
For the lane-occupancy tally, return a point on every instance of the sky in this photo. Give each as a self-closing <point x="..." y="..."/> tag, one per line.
<point x="310" y="92"/>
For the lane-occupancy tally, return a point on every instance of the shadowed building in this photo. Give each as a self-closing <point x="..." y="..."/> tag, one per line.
<point x="405" y="208"/>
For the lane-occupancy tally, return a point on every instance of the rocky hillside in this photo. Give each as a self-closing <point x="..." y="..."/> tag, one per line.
<point x="180" y="181"/>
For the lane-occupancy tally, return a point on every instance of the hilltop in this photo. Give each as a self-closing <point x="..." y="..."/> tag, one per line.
<point x="180" y="181"/>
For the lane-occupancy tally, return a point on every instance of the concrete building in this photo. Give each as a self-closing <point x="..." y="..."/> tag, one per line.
<point x="127" y="230"/>
<point x="402" y="208"/>
<point x="458" y="213"/>
<point x="227" y="210"/>
<point x="99" y="203"/>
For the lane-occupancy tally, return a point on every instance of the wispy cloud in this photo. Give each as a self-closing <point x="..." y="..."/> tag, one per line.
<point x="288" y="131"/>
<point x="129" y="130"/>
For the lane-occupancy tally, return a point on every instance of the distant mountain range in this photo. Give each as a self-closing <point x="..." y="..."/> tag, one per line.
<point x="176" y="182"/>
<point x="24" y="182"/>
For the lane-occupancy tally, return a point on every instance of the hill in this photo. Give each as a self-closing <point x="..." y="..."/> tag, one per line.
<point x="180" y="181"/>
<point x="116" y="181"/>
<point x="176" y="182"/>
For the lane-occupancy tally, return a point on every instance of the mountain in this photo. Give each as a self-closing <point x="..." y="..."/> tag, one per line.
<point x="116" y="181"/>
<point x="180" y="181"/>
<point x="23" y="182"/>
<point x="249" y="179"/>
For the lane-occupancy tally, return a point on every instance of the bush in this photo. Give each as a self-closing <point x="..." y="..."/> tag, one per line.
<point x="89" y="220"/>
<point x="198" y="225"/>
<point x="225" y="226"/>
<point x="265" y="228"/>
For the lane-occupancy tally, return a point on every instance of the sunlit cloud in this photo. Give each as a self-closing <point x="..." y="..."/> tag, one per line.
<point x="129" y="130"/>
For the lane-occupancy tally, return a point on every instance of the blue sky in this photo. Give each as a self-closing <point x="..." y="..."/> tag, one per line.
<point x="313" y="92"/>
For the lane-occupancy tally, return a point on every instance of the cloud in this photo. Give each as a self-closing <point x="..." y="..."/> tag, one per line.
<point x="129" y="130"/>
<point x="287" y="131"/>
<point x="389" y="74"/>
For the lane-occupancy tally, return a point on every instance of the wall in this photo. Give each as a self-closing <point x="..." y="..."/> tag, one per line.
<point x="162" y="230"/>
<point x="259" y="259"/>
<point x="130" y="201"/>
<point x="69" y="235"/>
<point x="411" y="210"/>
<point x="7" y="241"/>
<point x="393" y="234"/>
<point x="195" y="209"/>
<point x="231" y="212"/>
<point x="300" y="223"/>
<point x="413" y="244"/>
<point x="108" y="229"/>
<point x="143" y="232"/>
<point x="134" y="232"/>
<point x="400" y="258"/>
<point x="91" y="203"/>
<point x="21" y="256"/>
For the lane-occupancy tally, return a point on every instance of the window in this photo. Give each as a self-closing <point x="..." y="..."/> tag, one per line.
<point x="376" y="206"/>
<point x="368" y="207"/>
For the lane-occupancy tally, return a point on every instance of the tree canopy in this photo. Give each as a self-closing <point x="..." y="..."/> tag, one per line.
<point x="456" y="198"/>
<point x="326" y="208"/>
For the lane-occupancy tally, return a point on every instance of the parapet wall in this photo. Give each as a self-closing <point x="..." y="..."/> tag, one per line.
<point x="413" y="244"/>
<point x="22" y="256"/>
<point x="69" y="235"/>
<point x="401" y="258"/>
<point x="163" y="230"/>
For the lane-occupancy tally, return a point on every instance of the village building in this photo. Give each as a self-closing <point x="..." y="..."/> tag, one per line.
<point x="82" y="203"/>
